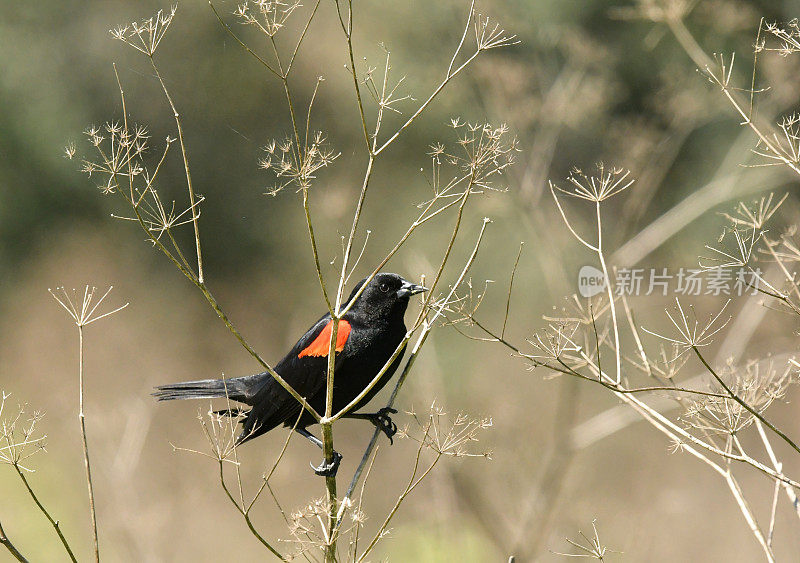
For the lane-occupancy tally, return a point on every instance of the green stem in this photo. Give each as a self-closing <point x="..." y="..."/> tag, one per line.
<point x="10" y="546"/>
<point x="192" y="198"/>
<point x="246" y="515"/>
<point x="744" y="404"/>
<point x="330" y="487"/>
<point x="50" y="519"/>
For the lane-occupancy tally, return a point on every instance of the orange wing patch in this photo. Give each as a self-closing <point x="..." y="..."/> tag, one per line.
<point x="321" y="344"/>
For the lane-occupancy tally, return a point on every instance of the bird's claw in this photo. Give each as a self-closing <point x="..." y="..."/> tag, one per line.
<point x="384" y="423"/>
<point x="326" y="469"/>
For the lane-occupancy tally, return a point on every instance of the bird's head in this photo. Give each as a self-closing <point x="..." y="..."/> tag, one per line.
<point x="385" y="294"/>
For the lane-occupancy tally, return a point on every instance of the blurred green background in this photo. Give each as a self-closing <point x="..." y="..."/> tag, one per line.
<point x="586" y="83"/>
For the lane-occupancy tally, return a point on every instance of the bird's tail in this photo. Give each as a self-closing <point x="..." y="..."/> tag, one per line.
<point x="234" y="389"/>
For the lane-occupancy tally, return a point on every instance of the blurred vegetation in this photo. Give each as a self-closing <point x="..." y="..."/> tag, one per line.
<point x="586" y="83"/>
<point x="57" y="79"/>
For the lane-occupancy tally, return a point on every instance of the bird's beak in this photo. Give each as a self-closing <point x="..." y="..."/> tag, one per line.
<point x="409" y="288"/>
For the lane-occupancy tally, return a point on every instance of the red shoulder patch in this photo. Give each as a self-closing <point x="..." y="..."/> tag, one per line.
<point x="321" y="344"/>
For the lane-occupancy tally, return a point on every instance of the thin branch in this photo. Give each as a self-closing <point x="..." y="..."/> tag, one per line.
<point x="300" y="40"/>
<point x="246" y="515"/>
<point x="412" y="484"/>
<point x="650" y="414"/>
<point x="85" y="443"/>
<point x="510" y="287"/>
<point x="426" y="103"/>
<point x="190" y="275"/>
<point x="243" y="44"/>
<point x="348" y="32"/>
<point x="791" y="494"/>
<point x="44" y="511"/>
<point x="192" y="198"/>
<point x="463" y="37"/>
<point x="426" y="328"/>
<point x="10" y="546"/>
<point x="743" y="403"/>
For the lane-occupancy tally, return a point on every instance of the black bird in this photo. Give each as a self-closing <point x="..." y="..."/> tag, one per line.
<point x="367" y="336"/>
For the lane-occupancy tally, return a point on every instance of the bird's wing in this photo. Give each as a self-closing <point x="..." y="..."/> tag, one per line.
<point x="304" y="368"/>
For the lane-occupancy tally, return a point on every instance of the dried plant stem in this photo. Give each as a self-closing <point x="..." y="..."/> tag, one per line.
<point x="373" y="150"/>
<point x="743" y="403"/>
<point x="510" y="288"/>
<point x="242" y="43"/>
<point x="192" y="198"/>
<point x="449" y="75"/>
<point x="306" y="208"/>
<point x="745" y="509"/>
<point x="85" y="442"/>
<point x="668" y="428"/>
<point x="702" y="60"/>
<point x="190" y="275"/>
<point x="414" y="480"/>
<point x="330" y="489"/>
<point x="300" y="158"/>
<point x="612" y="304"/>
<point x="245" y="512"/>
<point x="326" y="425"/>
<point x="44" y="511"/>
<point x="683" y="436"/>
<point x="791" y="494"/>
<point x="348" y="33"/>
<point x="83" y="311"/>
<point x="360" y="504"/>
<point x="598" y="249"/>
<point x="426" y="328"/>
<point x="773" y="512"/>
<point x="10" y="546"/>
<point x="628" y="396"/>
<point x="353" y="228"/>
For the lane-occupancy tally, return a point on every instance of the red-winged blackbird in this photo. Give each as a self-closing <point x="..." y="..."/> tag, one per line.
<point x="367" y="336"/>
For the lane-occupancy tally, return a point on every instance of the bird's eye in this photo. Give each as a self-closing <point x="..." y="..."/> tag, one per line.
<point x="384" y="287"/>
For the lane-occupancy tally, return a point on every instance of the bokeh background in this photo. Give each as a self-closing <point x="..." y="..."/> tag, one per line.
<point x="586" y="83"/>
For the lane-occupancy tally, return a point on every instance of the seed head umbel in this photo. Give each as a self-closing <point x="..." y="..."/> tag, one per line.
<point x="146" y="35"/>
<point x="83" y="308"/>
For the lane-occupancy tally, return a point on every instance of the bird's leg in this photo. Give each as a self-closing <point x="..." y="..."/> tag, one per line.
<point x="325" y="469"/>
<point x="381" y="420"/>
